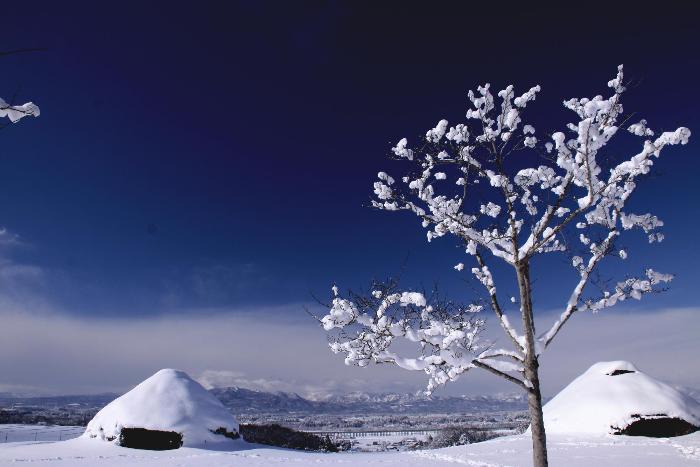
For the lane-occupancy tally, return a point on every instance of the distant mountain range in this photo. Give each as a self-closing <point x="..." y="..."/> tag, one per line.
<point x="246" y="401"/>
<point x="82" y="401"/>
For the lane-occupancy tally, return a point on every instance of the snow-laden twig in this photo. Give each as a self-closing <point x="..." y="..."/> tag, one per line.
<point x="365" y="328"/>
<point x="17" y="112"/>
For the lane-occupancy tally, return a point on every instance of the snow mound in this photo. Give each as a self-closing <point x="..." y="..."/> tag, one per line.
<point x="617" y="398"/>
<point x="168" y="401"/>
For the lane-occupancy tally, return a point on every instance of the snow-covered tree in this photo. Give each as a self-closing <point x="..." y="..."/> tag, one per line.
<point x="466" y="180"/>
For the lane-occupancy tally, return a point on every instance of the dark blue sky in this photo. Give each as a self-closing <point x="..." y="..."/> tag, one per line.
<point x="222" y="154"/>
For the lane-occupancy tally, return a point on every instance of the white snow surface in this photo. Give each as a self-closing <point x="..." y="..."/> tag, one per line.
<point x="564" y="451"/>
<point x="595" y="402"/>
<point x="170" y="401"/>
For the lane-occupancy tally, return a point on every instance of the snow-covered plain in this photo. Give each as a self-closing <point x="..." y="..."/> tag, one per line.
<point x="13" y="433"/>
<point x="172" y="400"/>
<point x="564" y="451"/>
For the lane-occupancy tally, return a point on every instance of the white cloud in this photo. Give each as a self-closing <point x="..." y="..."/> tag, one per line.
<point x="78" y="354"/>
<point x="220" y="378"/>
<point x="661" y="343"/>
<point x="21" y="285"/>
<point x="281" y="349"/>
<point x="313" y="391"/>
<point x="10" y="271"/>
<point x="9" y="239"/>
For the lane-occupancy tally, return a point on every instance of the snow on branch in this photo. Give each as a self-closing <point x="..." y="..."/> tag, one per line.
<point x="17" y="112"/>
<point x="633" y="287"/>
<point x="483" y="274"/>
<point x="366" y="327"/>
<point x="458" y="181"/>
<point x="630" y="288"/>
<point x="526" y="210"/>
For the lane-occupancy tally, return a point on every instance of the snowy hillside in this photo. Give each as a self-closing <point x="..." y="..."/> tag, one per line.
<point x="612" y="396"/>
<point x="168" y="401"/>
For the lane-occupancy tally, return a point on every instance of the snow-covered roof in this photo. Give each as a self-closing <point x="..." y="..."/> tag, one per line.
<point x="167" y="401"/>
<point x="611" y="395"/>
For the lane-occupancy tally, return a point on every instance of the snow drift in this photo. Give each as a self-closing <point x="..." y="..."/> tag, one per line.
<point x="617" y="398"/>
<point x="166" y="411"/>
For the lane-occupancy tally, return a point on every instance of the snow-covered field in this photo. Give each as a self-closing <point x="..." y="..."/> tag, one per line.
<point x="383" y="443"/>
<point x="12" y="433"/>
<point x="607" y="395"/>
<point x="564" y="451"/>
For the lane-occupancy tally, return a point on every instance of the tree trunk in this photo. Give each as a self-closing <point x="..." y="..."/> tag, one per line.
<point x="534" y="402"/>
<point x="534" y="396"/>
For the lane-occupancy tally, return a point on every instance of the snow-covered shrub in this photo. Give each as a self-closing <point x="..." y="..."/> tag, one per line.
<point x="283" y="437"/>
<point x="457" y="436"/>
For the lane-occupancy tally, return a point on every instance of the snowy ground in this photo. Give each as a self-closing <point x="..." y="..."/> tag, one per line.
<point x="382" y="443"/>
<point x="12" y="433"/>
<point x="569" y="451"/>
